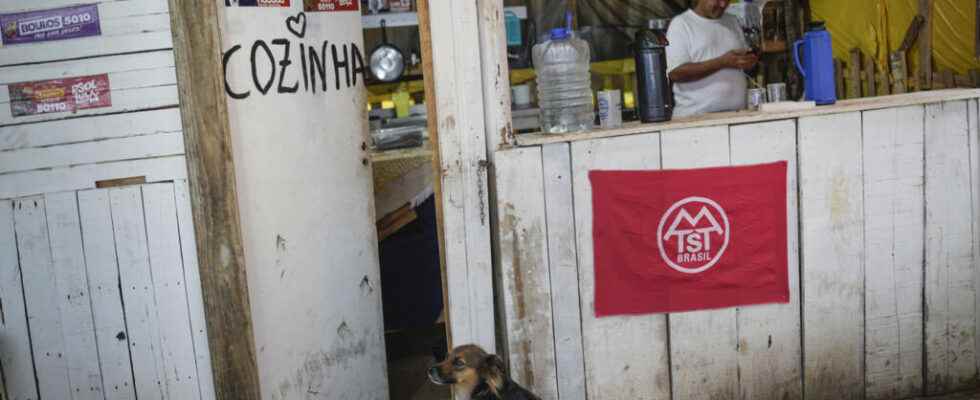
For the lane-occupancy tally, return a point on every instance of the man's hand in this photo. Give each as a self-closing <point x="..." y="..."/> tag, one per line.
<point x="739" y="59"/>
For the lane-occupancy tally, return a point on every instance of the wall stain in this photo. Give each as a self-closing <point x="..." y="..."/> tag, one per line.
<point x="366" y="286"/>
<point x="449" y="123"/>
<point x="344" y="332"/>
<point x="280" y="253"/>
<point x="508" y="227"/>
<point x="317" y="368"/>
<point x="528" y="367"/>
<point x="840" y="206"/>
<point x="481" y="184"/>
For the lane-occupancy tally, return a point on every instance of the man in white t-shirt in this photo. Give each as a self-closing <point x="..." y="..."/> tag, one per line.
<point x="706" y="59"/>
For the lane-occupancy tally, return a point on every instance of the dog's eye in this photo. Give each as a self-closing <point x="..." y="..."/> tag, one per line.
<point x="459" y="363"/>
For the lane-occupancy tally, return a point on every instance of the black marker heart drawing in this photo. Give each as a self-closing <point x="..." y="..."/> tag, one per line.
<point x="299" y="21"/>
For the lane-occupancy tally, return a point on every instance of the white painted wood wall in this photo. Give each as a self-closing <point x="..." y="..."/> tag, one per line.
<point x="99" y="287"/>
<point x="884" y="262"/>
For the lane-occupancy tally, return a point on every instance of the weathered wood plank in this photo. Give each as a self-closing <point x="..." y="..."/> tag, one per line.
<point x="462" y="147"/>
<point x="832" y="246"/>
<point x="950" y="294"/>
<point x="41" y="296"/>
<point x="925" y="46"/>
<point x="769" y="353"/>
<point x="899" y="72"/>
<point x="129" y="91"/>
<point x="167" y="269"/>
<point x="496" y="85"/>
<point x="195" y="299"/>
<point x="563" y="264"/>
<point x="143" y="62"/>
<point x="103" y="279"/>
<point x="15" y="348"/>
<point x="84" y="176"/>
<point x="68" y="262"/>
<point x="626" y="357"/>
<point x="893" y="258"/>
<point x="974" y="121"/>
<point x="703" y="344"/>
<point x="869" y="76"/>
<point x="839" y="77"/>
<point x="432" y="124"/>
<point x="131" y="6"/>
<point x="126" y="26"/>
<point x="80" y="130"/>
<point x="138" y="298"/>
<point x="526" y="288"/>
<point x="854" y="74"/>
<point x="130" y="148"/>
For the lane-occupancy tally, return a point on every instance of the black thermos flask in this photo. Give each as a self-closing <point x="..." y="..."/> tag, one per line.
<point x="652" y="87"/>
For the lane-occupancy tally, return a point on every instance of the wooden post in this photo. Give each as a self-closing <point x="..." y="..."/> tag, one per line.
<point x="854" y="75"/>
<point x="869" y="76"/>
<point x="839" y="75"/>
<point x="432" y="121"/>
<point x="211" y="174"/>
<point x="794" y="30"/>
<point x="976" y="38"/>
<point x="451" y="51"/>
<point x="899" y="72"/>
<point x="925" y="46"/>
<point x="949" y="81"/>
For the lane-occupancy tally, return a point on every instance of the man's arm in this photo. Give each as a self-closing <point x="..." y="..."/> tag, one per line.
<point x="739" y="59"/>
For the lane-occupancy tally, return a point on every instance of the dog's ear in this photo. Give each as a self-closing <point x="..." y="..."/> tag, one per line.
<point x="493" y="371"/>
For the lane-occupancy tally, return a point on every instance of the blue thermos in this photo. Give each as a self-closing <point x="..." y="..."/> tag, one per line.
<point x="818" y="64"/>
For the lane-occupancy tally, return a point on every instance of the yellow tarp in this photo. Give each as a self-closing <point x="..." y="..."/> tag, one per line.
<point x="878" y="27"/>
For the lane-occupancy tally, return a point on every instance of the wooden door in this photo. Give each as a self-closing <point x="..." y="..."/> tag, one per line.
<point x="295" y="90"/>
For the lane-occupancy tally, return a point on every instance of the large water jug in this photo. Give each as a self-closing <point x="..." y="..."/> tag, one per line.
<point x="818" y="64"/>
<point x="564" y="83"/>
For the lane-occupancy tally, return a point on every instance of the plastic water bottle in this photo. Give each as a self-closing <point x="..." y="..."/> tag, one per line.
<point x="564" y="83"/>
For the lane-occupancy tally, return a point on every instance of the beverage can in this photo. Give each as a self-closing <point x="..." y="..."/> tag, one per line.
<point x="610" y="109"/>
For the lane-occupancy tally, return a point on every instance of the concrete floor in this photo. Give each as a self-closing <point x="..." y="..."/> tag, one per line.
<point x="409" y="358"/>
<point x="960" y="396"/>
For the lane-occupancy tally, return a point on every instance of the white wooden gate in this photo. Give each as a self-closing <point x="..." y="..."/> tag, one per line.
<point x="101" y="296"/>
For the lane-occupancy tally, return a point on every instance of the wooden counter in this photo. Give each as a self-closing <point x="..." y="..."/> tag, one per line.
<point x="884" y="228"/>
<point x="745" y="117"/>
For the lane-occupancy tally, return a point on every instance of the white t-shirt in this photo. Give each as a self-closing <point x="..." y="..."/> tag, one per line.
<point x="693" y="38"/>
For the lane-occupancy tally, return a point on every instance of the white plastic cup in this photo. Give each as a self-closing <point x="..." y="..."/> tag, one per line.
<point x="520" y="96"/>
<point x="776" y="92"/>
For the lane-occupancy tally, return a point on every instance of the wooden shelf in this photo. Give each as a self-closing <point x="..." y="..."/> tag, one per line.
<point x="371" y="21"/>
<point x="425" y="150"/>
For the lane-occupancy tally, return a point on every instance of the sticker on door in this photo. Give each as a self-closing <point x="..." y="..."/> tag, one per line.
<point x="331" y="5"/>
<point x="59" y="95"/>
<point x="256" y="3"/>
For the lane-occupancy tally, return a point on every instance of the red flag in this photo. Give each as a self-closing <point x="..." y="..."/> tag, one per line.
<point x="681" y="240"/>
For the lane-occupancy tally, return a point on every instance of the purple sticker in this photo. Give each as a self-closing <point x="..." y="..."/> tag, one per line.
<point x="48" y="25"/>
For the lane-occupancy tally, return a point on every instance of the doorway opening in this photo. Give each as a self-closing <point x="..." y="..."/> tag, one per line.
<point x="412" y="287"/>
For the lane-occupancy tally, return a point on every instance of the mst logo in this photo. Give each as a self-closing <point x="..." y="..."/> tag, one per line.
<point x="693" y="244"/>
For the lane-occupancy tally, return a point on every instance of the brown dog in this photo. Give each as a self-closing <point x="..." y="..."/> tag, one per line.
<point x="477" y="375"/>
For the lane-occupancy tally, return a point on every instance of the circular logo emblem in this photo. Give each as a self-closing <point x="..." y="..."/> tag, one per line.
<point x="693" y="235"/>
